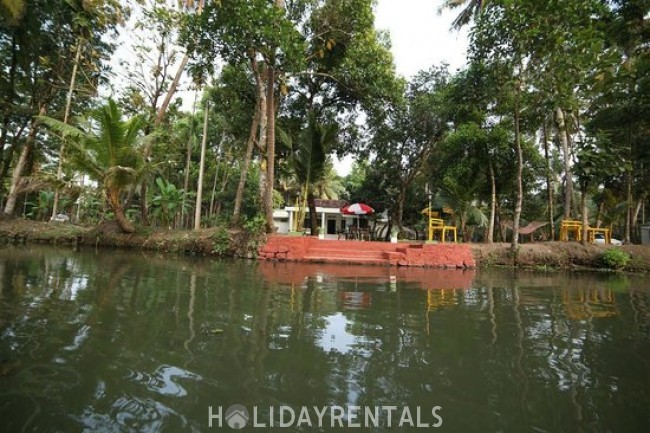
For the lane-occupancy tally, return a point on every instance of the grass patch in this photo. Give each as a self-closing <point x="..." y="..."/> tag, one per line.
<point x="615" y="259"/>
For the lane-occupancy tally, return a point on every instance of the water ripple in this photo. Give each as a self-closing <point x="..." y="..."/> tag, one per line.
<point x="163" y="380"/>
<point x="133" y="414"/>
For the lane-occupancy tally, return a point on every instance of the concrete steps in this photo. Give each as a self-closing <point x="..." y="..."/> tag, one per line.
<point x="347" y="260"/>
<point x="347" y="254"/>
<point x="307" y="249"/>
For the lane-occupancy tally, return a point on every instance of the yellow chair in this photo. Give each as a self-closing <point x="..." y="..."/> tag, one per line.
<point x="574" y="227"/>
<point x="591" y="234"/>
<point x="438" y="225"/>
<point x="570" y="226"/>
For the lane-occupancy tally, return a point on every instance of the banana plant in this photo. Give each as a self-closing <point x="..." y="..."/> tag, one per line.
<point x="168" y="201"/>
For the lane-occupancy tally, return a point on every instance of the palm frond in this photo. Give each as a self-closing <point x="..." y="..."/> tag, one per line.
<point x="63" y="129"/>
<point x="284" y="138"/>
<point x="83" y="159"/>
<point x="133" y="128"/>
<point x="472" y="9"/>
<point x="475" y="216"/>
<point x="107" y="151"/>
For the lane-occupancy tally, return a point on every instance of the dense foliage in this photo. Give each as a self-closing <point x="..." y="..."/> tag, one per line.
<point x="548" y="121"/>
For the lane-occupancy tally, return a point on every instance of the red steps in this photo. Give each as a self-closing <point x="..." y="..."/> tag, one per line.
<point x="307" y="249"/>
<point x="346" y="254"/>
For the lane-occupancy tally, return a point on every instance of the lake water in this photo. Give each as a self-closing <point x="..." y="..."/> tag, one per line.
<point x="120" y="341"/>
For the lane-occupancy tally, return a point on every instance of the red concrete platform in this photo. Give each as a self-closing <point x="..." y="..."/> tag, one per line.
<point x="313" y="250"/>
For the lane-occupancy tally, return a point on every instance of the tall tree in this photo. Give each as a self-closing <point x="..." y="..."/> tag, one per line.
<point x="36" y="53"/>
<point x="199" y="186"/>
<point x="89" y="17"/>
<point x="409" y="132"/>
<point x="324" y="56"/>
<point x="620" y="107"/>
<point x="551" y="68"/>
<point x="241" y="30"/>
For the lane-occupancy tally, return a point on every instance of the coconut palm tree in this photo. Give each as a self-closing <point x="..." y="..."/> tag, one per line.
<point x="460" y="195"/>
<point x="330" y="185"/>
<point x="308" y="160"/>
<point x="472" y="9"/>
<point x="105" y="147"/>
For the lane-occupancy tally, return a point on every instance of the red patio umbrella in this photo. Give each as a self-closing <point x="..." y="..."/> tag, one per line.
<point x="357" y="209"/>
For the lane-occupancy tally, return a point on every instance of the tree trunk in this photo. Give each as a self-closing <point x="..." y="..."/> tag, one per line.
<point x="66" y="117"/>
<point x="635" y="217"/>
<point x="177" y="79"/>
<point x="585" y="216"/>
<point x="170" y="92"/>
<point x="216" y="177"/>
<point x="224" y="184"/>
<point x="628" y="216"/>
<point x="123" y="221"/>
<point x="270" y="135"/>
<point x="117" y="207"/>
<point x="214" y="190"/>
<point x="493" y="203"/>
<point x="9" y="101"/>
<point x="270" y="146"/>
<point x="599" y="214"/>
<point x="262" y="139"/>
<point x="313" y="218"/>
<point x="20" y="165"/>
<point x="399" y="214"/>
<point x="563" y="132"/>
<point x="9" y="156"/>
<point x="520" y="190"/>
<point x="186" y="180"/>
<point x="302" y="203"/>
<point x="549" y="181"/>
<point x="199" y="187"/>
<point x="17" y="176"/>
<point x="188" y="159"/>
<point x="239" y="195"/>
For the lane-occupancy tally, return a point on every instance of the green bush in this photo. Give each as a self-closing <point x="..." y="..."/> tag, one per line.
<point x="615" y="258"/>
<point x="221" y="241"/>
<point x="256" y="225"/>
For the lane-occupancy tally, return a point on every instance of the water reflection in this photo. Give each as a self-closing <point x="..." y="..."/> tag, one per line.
<point x="297" y="274"/>
<point x="116" y="341"/>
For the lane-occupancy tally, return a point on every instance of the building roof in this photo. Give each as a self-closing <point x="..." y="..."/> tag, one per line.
<point x="280" y="214"/>
<point x="330" y="203"/>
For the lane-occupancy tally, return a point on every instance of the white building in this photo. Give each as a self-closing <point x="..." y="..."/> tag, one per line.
<point x="330" y="219"/>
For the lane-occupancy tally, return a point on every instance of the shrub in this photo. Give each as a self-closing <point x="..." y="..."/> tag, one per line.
<point x="615" y="258"/>
<point x="255" y="226"/>
<point x="221" y="241"/>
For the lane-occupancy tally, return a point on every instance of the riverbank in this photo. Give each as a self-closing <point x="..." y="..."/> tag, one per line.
<point x="231" y="243"/>
<point x="560" y="255"/>
<point x="214" y="241"/>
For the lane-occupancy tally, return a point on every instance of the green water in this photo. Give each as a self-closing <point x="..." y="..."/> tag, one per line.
<point x="129" y="342"/>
